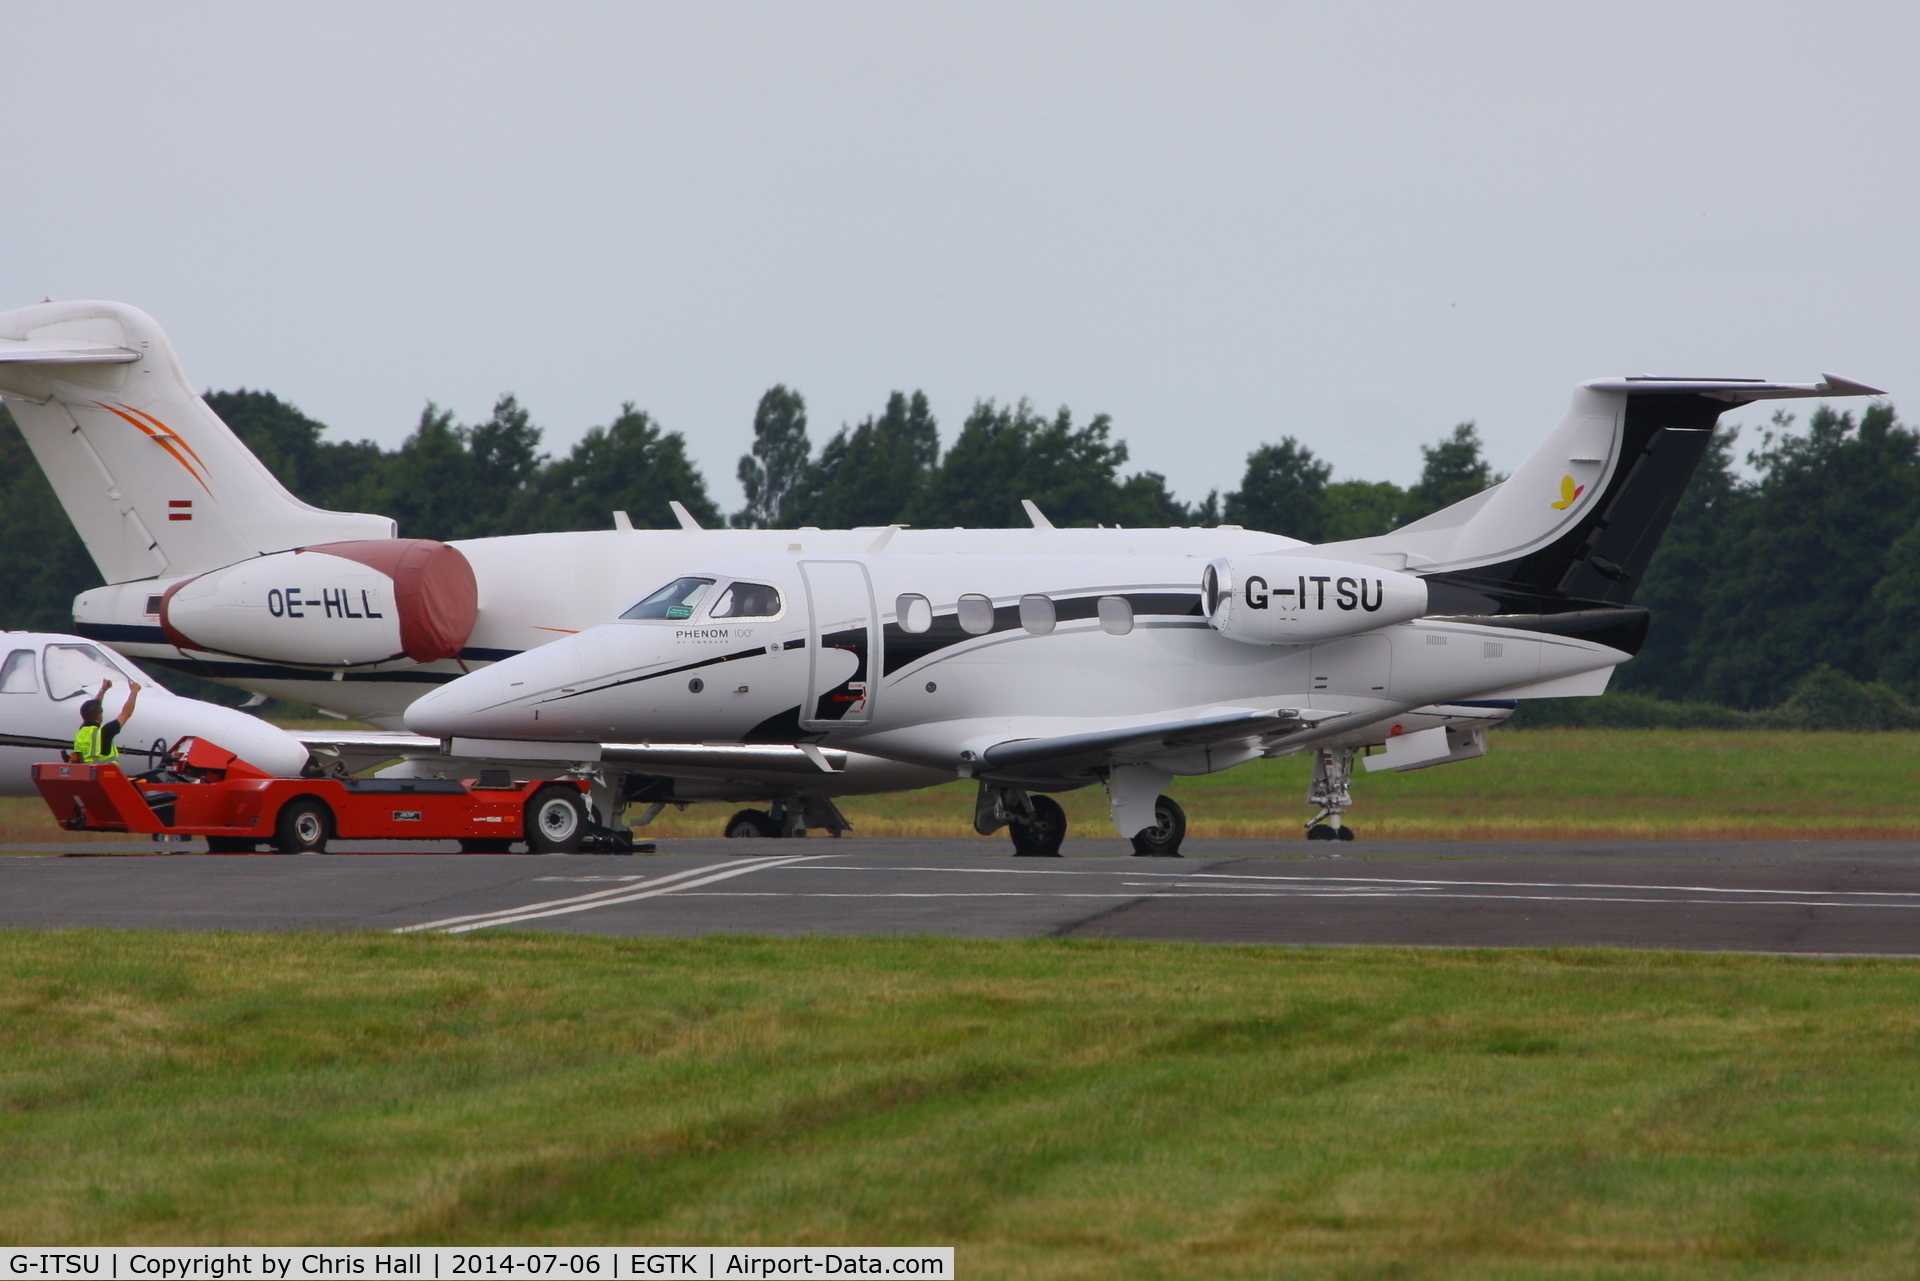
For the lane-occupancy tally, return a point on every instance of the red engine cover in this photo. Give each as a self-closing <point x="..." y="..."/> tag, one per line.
<point x="433" y="585"/>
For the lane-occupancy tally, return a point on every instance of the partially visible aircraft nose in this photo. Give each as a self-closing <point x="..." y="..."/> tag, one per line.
<point x="458" y="708"/>
<point x="497" y="701"/>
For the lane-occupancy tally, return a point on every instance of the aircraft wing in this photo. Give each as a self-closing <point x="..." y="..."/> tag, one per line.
<point x="664" y="758"/>
<point x="1067" y="752"/>
<point x="363" y="749"/>
<point x="392" y="742"/>
<point x="725" y="760"/>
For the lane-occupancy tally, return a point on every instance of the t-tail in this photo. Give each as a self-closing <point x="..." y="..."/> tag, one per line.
<point x="1571" y="533"/>
<point x="155" y="483"/>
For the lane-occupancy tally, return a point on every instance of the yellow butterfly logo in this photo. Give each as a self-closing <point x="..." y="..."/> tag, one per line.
<point x="1568" y="492"/>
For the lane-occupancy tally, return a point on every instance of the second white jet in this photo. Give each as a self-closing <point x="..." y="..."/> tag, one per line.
<point x="1037" y="674"/>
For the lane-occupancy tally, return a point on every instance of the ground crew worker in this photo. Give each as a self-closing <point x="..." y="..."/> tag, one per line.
<point x="95" y="742"/>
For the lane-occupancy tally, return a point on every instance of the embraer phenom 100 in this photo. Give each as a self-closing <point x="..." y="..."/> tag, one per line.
<point x="1037" y="674"/>
<point x="215" y="570"/>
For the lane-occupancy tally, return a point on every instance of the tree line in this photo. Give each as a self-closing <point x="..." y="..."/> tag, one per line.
<point x="1808" y="562"/>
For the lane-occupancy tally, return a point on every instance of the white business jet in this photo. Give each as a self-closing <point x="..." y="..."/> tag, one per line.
<point x="1040" y="674"/>
<point x="215" y="570"/>
<point x="45" y="678"/>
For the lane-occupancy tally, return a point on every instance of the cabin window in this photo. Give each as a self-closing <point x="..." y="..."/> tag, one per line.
<point x="747" y="600"/>
<point x="914" y="612"/>
<point x="73" y="670"/>
<point x="677" y="599"/>
<point x="976" y="614"/>
<point x="16" y="674"/>
<point x="1116" y="615"/>
<point x="1037" y="614"/>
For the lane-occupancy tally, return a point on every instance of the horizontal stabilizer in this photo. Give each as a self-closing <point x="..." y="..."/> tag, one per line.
<point x="1735" y="391"/>
<point x="1095" y="745"/>
<point x="15" y="352"/>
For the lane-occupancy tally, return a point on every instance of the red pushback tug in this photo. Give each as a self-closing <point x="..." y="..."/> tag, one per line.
<point x="204" y="790"/>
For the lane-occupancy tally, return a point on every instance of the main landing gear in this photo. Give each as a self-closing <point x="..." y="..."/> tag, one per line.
<point x="1141" y="812"/>
<point x="1332" y="773"/>
<point x="1162" y="840"/>
<point x="789" y="818"/>
<point x="1037" y="824"/>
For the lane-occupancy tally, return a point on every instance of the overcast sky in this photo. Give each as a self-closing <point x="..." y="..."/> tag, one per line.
<point x="1355" y="224"/>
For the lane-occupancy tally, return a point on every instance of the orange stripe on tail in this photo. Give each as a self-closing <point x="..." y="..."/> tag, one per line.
<point x="165" y="442"/>
<point x="177" y="438"/>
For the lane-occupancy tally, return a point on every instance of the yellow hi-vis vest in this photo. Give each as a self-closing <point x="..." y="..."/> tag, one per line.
<point x="86" y="745"/>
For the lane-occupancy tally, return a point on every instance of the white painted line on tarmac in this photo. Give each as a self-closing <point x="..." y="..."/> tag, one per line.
<point x="1252" y="879"/>
<point x="1288" y="894"/>
<point x="620" y="893"/>
<point x="1255" y="879"/>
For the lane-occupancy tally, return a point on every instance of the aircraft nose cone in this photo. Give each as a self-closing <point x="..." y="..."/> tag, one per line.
<point x="500" y="701"/>
<point x="459" y="708"/>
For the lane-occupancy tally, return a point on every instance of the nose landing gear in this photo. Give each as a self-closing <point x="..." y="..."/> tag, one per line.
<point x="1037" y="824"/>
<point x="1332" y="774"/>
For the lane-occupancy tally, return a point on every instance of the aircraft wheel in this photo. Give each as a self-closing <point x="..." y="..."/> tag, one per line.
<point x="1321" y="832"/>
<point x="304" y="826"/>
<point x="556" y="820"/>
<point x="1040" y="836"/>
<point x="751" y="823"/>
<point x="1346" y="833"/>
<point x="1162" y="840"/>
<point x="485" y="845"/>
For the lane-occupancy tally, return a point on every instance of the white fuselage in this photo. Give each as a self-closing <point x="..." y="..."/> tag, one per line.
<point x="837" y="664"/>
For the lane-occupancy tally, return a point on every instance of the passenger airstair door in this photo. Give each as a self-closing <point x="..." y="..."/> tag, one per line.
<point x="843" y="645"/>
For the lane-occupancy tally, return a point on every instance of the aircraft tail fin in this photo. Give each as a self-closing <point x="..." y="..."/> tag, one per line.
<point x="154" y="482"/>
<point x="1581" y="518"/>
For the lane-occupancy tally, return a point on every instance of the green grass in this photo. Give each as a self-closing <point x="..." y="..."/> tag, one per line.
<point x="1546" y="783"/>
<point x="1542" y="783"/>
<point x="1074" y="1110"/>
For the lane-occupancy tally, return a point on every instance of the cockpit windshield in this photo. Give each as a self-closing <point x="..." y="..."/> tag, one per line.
<point x="678" y="599"/>
<point x="747" y="600"/>
<point x="73" y="670"/>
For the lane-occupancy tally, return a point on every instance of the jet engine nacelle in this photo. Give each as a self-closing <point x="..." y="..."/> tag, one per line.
<point x="335" y="605"/>
<point x="1272" y="600"/>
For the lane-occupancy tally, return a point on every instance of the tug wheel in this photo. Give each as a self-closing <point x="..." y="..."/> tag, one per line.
<point x="304" y="826"/>
<point x="556" y="820"/>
